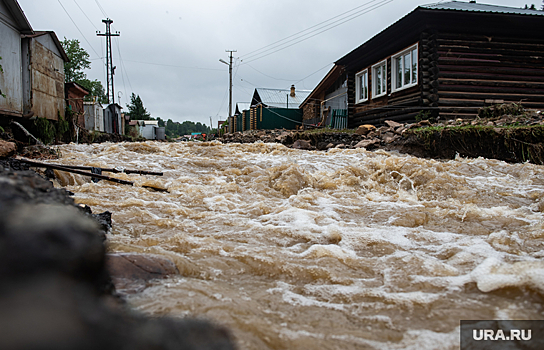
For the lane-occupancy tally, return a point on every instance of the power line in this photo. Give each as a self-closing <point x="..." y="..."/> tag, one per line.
<point x="280" y="48"/>
<point x="319" y="70"/>
<point x="101" y="9"/>
<point x="84" y="37"/>
<point x="95" y="27"/>
<point x="223" y="102"/>
<point x="117" y="42"/>
<point x="171" y="65"/>
<point x="307" y="29"/>
<point x="123" y="71"/>
<point x="266" y="75"/>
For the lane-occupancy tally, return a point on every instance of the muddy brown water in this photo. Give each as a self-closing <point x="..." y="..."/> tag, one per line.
<point x="345" y="249"/>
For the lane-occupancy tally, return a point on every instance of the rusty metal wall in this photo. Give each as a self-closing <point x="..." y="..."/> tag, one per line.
<point x="11" y="79"/>
<point x="47" y="81"/>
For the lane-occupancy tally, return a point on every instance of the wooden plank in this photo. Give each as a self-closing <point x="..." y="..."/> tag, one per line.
<point x="494" y="70"/>
<point x="491" y="89"/>
<point x="501" y="83"/>
<point x="492" y="96"/>
<point x="483" y="76"/>
<point x="519" y="64"/>
<point x="463" y="37"/>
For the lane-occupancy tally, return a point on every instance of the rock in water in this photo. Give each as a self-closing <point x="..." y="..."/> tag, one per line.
<point x="302" y="144"/>
<point x="131" y="271"/>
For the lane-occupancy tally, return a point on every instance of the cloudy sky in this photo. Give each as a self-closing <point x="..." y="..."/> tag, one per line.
<point x="169" y="51"/>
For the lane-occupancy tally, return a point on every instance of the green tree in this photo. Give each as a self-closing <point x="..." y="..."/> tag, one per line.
<point x="95" y="88"/>
<point x="136" y="109"/>
<point x="79" y="60"/>
<point x="73" y="70"/>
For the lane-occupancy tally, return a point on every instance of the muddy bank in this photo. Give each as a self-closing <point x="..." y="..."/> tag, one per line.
<point x="55" y="290"/>
<point x="512" y="138"/>
<point x="27" y="146"/>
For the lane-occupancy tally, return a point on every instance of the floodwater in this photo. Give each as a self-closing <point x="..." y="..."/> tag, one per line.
<point x="345" y="249"/>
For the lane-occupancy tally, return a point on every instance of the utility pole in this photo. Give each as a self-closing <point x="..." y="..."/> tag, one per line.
<point x="230" y="79"/>
<point x="109" y="58"/>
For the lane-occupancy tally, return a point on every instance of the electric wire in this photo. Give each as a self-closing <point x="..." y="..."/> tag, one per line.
<point x="95" y="27"/>
<point x="307" y="29"/>
<point x="176" y="66"/>
<point x="222" y="102"/>
<point x="123" y="69"/>
<point x="84" y="37"/>
<point x="101" y="9"/>
<point x="266" y="75"/>
<point x="317" y="71"/>
<point x="313" y="33"/>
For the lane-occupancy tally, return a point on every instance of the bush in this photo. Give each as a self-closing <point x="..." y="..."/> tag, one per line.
<point x="46" y="130"/>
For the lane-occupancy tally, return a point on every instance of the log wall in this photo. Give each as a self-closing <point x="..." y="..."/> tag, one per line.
<point x="475" y="71"/>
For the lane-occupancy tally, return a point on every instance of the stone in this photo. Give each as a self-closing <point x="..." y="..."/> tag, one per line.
<point x="131" y="271"/>
<point x="365" y="129"/>
<point x="392" y="124"/>
<point x="302" y="144"/>
<point x="52" y="238"/>
<point x="329" y="145"/>
<point x="423" y="122"/>
<point x="7" y="149"/>
<point x="341" y="145"/>
<point x="366" y="143"/>
<point x="400" y="130"/>
<point x="390" y="137"/>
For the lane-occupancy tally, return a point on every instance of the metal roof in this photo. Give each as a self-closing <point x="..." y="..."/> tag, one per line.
<point x="19" y="16"/>
<point x="475" y="7"/>
<point x="282" y="97"/>
<point x="243" y="106"/>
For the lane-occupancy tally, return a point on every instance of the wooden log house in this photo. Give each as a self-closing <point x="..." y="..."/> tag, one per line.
<point x="442" y="60"/>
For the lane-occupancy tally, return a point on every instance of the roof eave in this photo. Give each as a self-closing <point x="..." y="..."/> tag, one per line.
<point x="19" y="16"/>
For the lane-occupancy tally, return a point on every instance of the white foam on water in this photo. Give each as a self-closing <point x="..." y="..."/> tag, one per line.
<point x="275" y="235"/>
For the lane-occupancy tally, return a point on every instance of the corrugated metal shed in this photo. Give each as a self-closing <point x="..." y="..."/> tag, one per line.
<point x="279" y="97"/>
<point x="475" y="7"/>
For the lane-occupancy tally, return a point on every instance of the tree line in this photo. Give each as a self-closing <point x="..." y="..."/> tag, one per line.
<point x="73" y="72"/>
<point x="173" y="129"/>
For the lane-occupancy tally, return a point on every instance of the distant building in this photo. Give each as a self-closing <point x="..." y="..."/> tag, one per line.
<point x="112" y="119"/>
<point x="74" y="101"/>
<point x="149" y="129"/>
<point x="94" y="116"/>
<point x="270" y="109"/>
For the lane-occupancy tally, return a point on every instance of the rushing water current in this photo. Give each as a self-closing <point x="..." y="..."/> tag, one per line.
<point x="345" y="249"/>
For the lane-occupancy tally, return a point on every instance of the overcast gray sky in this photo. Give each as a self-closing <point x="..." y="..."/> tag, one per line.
<point x="169" y="51"/>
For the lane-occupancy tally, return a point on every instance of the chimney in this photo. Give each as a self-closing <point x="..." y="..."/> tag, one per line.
<point x="293" y="91"/>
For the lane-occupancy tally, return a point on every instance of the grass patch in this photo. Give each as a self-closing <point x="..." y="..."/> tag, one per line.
<point x="329" y="130"/>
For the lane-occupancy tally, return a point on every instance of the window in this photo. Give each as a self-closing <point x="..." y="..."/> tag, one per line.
<point x="405" y="69"/>
<point x="379" y="79"/>
<point x="361" y="86"/>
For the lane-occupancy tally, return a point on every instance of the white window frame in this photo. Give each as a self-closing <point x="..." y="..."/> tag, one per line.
<point x="412" y="51"/>
<point x="383" y="77"/>
<point x="358" y="86"/>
